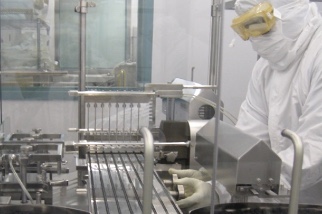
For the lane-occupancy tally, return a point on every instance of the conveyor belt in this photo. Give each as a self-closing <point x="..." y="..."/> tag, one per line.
<point x="116" y="185"/>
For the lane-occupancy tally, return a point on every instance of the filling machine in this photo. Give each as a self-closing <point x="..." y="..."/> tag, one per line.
<point x="120" y="162"/>
<point x="112" y="160"/>
<point x="123" y="154"/>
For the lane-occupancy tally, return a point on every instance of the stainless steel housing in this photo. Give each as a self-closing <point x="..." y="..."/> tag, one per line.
<point x="244" y="162"/>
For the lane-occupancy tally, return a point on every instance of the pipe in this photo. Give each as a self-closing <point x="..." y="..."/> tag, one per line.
<point x="217" y="14"/>
<point x="148" y="169"/>
<point x="18" y="179"/>
<point x="82" y="74"/>
<point x="38" y="45"/>
<point x="23" y="176"/>
<point x="216" y="41"/>
<point x="297" y="169"/>
<point x="184" y="144"/>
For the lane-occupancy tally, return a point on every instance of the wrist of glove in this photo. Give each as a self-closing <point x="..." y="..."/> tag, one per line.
<point x="197" y="193"/>
<point x="200" y="174"/>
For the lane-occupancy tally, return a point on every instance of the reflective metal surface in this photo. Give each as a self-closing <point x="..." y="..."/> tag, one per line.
<point x="258" y="208"/>
<point x="244" y="162"/>
<point x="38" y="209"/>
<point x="116" y="185"/>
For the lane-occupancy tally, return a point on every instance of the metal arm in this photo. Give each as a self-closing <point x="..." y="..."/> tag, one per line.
<point x="148" y="170"/>
<point x="297" y="169"/>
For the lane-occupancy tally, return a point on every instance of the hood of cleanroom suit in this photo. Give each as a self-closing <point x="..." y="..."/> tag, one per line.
<point x="283" y="43"/>
<point x="285" y="90"/>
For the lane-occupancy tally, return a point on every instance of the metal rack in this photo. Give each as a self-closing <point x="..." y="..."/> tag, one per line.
<point x="117" y="182"/>
<point x="120" y="168"/>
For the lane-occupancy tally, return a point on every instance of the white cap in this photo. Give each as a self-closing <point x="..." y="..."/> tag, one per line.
<point x="242" y="6"/>
<point x="295" y="14"/>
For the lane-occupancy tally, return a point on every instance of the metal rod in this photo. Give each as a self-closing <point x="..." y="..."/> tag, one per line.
<point x="297" y="169"/>
<point x="38" y="45"/>
<point x="1" y="120"/>
<point x="138" y="176"/>
<point x="138" y="127"/>
<point x="215" y="79"/>
<point x="167" y="192"/>
<point x="131" y="183"/>
<point x="148" y="169"/>
<point x="122" y="184"/>
<point x="88" y="107"/>
<point x="82" y="74"/>
<point x="112" y="93"/>
<point x="128" y="13"/>
<point x="92" y="183"/>
<point x="123" y="130"/>
<point x="152" y="112"/>
<point x="112" y="184"/>
<point x="23" y="176"/>
<point x="185" y="144"/>
<point x="117" y="120"/>
<point x="155" y="191"/>
<point x="131" y="115"/>
<point x="192" y="73"/>
<point x="102" y="183"/>
<point x="95" y="117"/>
<point x="23" y="187"/>
<point x="109" y="121"/>
<point x="216" y="40"/>
<point x="199" y="86"/>
<point x="102" y="120"/>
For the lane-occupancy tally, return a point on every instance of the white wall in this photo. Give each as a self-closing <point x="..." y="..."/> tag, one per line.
<point x="181" y="41"/>
<point x="238" y="62"/>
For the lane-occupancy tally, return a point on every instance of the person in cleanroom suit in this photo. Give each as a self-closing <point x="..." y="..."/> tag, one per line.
<point x="285" y="90"/>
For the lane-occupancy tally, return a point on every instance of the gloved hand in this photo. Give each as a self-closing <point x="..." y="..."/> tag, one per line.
<point x="200" y="174"/>
<point x="197" y="193"/>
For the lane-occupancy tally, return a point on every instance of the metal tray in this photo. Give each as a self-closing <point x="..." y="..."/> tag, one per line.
<point x="258" y="208"/>
<point x="38" y="209"/>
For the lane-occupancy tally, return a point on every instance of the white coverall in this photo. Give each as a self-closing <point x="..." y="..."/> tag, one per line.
<point x="285" y="90"/>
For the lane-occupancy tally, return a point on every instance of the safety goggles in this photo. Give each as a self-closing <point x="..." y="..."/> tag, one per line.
<point x="255" y="22"/>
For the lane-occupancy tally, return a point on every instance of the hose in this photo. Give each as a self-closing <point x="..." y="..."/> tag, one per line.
<point x="19" y="181"/>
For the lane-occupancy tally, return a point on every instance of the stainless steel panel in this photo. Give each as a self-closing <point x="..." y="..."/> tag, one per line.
<point x="38" y="209"/>
<point x="242" y="158"/>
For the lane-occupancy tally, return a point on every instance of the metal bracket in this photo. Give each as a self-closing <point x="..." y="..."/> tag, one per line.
<point x="83" y="5"/>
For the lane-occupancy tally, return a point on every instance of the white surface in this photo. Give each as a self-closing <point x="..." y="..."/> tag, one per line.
<point x="182" y="40"/>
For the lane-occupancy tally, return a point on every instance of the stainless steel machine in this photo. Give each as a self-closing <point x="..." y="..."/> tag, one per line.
<point x="246" y="166"/>
<point x="124" y="152"/>
<point x="111" y="154"/>
<point x="127" y="139"/>
<point x="36" y="157"/>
